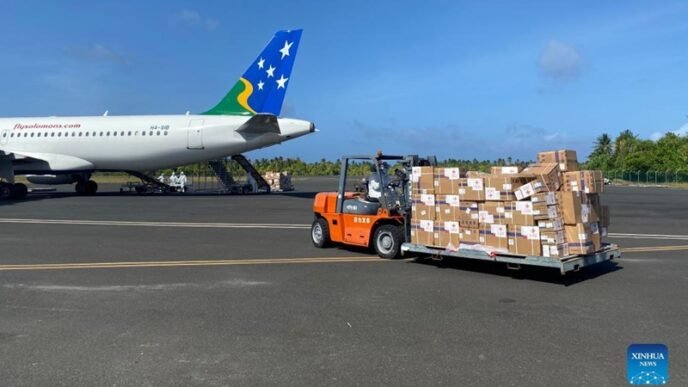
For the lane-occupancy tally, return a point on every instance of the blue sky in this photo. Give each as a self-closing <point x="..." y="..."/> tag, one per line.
<point x="456" y="79"/>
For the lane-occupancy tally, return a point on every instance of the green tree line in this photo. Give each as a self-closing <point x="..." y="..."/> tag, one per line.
<point x="323" y="167"/>
<point x="627" y="152"/>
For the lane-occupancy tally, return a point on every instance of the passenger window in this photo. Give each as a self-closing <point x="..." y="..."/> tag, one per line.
<point x="121" y="133"/>
<point x="52" y="134"/>
<point x="165" y="133"/>
<point x="32" y="134"/>
<point x="59" y="134"/>
<point x="143" y="133"/>
<point x="38" y="134"/>
<point x="87" y="134"/>
<point x="80" y="133"/>
<point x="12" y="135"/>
<point x="108" y="134"/>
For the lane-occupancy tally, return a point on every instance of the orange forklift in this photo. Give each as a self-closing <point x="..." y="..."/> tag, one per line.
<point x="375" y="214"/>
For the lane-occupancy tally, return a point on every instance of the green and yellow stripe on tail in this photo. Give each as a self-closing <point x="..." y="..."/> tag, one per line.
<point x="236" y="101"/>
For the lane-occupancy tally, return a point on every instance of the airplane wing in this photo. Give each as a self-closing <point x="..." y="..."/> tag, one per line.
<point x="260" y="124"/>
<point x="53" y="161"/>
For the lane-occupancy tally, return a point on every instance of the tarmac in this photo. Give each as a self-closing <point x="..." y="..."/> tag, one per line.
<point x="228" y="290"/>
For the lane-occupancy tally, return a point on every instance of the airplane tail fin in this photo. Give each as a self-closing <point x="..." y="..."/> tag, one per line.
<point x="262" y="87"/>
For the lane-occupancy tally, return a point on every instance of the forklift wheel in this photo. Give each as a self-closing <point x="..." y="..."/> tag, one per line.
<point x="320" y="233"/>
<point x="387" y="241"/>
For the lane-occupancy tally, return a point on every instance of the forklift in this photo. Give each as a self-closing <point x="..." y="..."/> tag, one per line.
<point x="376" y="214"/>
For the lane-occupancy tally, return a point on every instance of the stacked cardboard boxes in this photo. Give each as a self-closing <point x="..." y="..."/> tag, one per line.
<point x="550" y="208"/>
<point x="279" y="181"/>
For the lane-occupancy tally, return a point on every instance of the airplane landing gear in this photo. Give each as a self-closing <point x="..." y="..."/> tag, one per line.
<point x="13" y="191"/>
<point x="20" y="191"/>
<point x="86" y="187"/>
<point x="6" y="191"/>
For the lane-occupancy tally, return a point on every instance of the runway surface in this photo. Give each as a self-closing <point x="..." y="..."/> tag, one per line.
<point x="228" y="290"/>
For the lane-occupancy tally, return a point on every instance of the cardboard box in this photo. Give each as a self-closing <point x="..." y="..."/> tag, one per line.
<point x="508" y="170"/>
<point x="491" y="213"/>
<point x="422" y="180"/>
<point x="468" y="215"/>
<point x="535" y="187"/>
<point x="476" y="174"/>
<point x="495" y="236"/>
<point x="423" y="232"/>
<point x="541" y="212"/>
<point x="579" y="238"/>
<point x="524" y="240"/>
<point x="447" y="208"/>
<point x="423" y="207"/>
<point x="556" y="251"/>
<point x="472" y="189"/>
<point x="503" y="188"/>
<point x="575" y="208"/>
<point x="470" y="236"/>
<point x="552" y="237"/>
<point x="596" y="235"/>
<point x="604" y="217"/>
<point x="595" y="206"/>
<point x="449" y="235"/>
<point x="546" y="198"/>
<point x="553" y="224"/>
<point x="548" y="173"/>
<point x="566" y="159"/>
<point x="583" y="181"/>
<point x="447" y="181"/>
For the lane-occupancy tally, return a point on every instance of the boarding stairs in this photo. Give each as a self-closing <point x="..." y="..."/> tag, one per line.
<point x="261" y="183"/>
<point x="219" y="168"/>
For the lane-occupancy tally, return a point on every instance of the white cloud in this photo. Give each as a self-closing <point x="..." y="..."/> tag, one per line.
<point x="560" y="61"/>
<point x="682" y="131"/>
<point x="96" y="53"/>
<point x="195" y="19"/>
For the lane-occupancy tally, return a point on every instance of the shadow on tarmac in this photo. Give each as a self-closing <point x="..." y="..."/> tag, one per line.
<point x="534" y="273"/>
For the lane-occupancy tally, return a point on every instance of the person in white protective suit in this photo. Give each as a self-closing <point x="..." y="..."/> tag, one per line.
<point x="182" y="181"/>
<point x="173" y="180"/>
<point x="161" y="178"/>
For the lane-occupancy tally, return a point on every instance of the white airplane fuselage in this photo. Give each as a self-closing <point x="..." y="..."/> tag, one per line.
<point x="54" y="145"/>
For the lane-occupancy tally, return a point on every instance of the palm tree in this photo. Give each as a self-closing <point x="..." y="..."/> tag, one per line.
<point x="603" y="145"/>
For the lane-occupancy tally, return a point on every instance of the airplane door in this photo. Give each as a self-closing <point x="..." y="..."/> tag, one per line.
<point x="4" y="136"/>
<point x="195" y="135"/>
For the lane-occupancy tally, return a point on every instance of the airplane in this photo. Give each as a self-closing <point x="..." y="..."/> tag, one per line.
<point x="67" y="150"/>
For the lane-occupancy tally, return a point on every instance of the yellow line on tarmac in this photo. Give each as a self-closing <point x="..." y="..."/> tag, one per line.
<point x="653" y="249"/>
<point x="218" y="262"/>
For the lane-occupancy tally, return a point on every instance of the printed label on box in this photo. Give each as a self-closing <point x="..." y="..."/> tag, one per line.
<point x="485" y="217"/>
<point x="452" y="173"/>
<point x="531" y="232"/>
<point x="499" y="230"/>
<point x="475" y="184"/>
<point x="453" y="200"/>
<point x="492" y="194"/>
<point x="452" y="227"/>
<point x="506" y="187"/>
<point x="427" y="225"/>
<point x="415" y="174"/>
<point x="428" y="200"/>
<point x="525" y="208"/>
